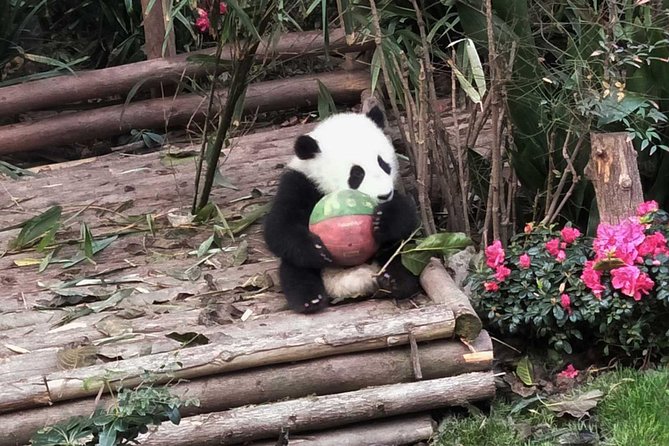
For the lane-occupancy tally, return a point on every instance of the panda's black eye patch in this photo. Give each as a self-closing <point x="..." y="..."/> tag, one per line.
<point x="356" y="176"/>
<point x="385" y="166"/>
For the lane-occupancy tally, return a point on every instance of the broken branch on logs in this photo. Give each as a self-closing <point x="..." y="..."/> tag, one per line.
<point x="441" y="288"/>
<point x="160" y="113"/>
<point x="265" y="421"/>
<point x="354" y="335"/>
<point x="343" y="373"/>
<point x="45" y="93"/>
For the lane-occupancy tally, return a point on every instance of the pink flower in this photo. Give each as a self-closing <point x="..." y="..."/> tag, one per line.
<point x="202" y="22"/>
<point x="528" y="228"/>
<point x="553" y="247"/>
<point x="501" y="273"/>
<point x="222" y="8"/>
<point x="524" y="261"/>
<point x="491" y="286"/>
<point x="569" y="235"/>
<point x="653" y="245"/>
<point x="494" y="254"/>
<point x="631" y="281"/>
<point x="620" y="241"/>
<point x="592" y="279"/>
<point x="646" y="208"/>
<point x="565" y="301"/>
<point x="569" y="372"/>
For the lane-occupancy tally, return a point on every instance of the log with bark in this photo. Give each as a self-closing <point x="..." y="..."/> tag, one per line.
<point x="107" y="82"/>
<point x="160" y="114"/>
<point x="441" y="288"/>
<point x="387" y="432"/>
<point x="322" y="412"/>
<point x="342" y="373"/>
<point x="354" y="335"/>
<point x="614" y="173"/>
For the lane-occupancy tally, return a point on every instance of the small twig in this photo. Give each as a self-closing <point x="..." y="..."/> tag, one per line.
<point x="415" y="360"/>
<point x="397" y="251"/>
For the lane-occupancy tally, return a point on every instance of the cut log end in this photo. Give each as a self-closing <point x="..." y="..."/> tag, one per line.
<point x="441" y="288"/>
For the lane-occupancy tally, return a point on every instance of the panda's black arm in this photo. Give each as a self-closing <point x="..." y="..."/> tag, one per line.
<point x="395" y="220"/>
<point x="286" y="228"/>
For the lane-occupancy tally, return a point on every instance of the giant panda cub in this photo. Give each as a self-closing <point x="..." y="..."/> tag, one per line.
<point x="346" y="150"/>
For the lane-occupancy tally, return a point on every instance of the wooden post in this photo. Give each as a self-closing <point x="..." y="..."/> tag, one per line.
<point x="155" y="25"/>
<point x="614" y="173"/>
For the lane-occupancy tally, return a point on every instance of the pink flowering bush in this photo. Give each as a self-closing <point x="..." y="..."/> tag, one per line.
<point x="561" y="288"/>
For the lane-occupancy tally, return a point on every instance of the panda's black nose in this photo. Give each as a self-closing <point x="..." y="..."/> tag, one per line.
<point x="385" y="197"/>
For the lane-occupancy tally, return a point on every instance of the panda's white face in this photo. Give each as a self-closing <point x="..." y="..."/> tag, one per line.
<point x="349" y="151"/>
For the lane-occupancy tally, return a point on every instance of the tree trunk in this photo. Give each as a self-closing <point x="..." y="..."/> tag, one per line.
<point x="357" y="334"/>
<point x="113" y="81"/>
<point x="390" y="432"/>
<point x="342" y="373"/>
<point x="614" y="173"/>
<point x="159" y="114"/>
<point x="305" y="414"/>
<point x="155" y="21"/>
<point x="441" y="288"/>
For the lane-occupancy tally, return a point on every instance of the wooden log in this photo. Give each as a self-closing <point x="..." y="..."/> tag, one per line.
<point x="119" y="80"/>
<point x="322" y="412"/>
<point x="441" y="288"/>
<point x="161" y="113"/>
<point x="356" y="334"/>
<point x="388" y="432"/>
<point x="614" y="172"/>
<point x="343" y="373"/>
<point x="155" y="25"/>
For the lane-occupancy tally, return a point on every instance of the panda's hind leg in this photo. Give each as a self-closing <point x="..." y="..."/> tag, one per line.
<point x="303" y="288"/>
<point x="397" y="281"/>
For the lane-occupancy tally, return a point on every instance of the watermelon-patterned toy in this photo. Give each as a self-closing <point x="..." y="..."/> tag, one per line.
<point x="343" y="221"/>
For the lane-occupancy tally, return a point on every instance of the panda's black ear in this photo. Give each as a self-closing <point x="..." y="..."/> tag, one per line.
<point x="306" y="147"/>
<point x="376" y="115"/>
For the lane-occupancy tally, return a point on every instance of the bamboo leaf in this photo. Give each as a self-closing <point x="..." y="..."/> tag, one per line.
<point x="244" y="18"/>
<point x="376" y="67"/>
<point x="96" y="246"/>
<point x="34" y="228"/>
<point x="326" y="105"/>
<point x="477" y="67"/>
<point x="464" y="83"/>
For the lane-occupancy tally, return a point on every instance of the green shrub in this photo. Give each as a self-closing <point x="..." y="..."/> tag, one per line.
<point x="561" y="288"/>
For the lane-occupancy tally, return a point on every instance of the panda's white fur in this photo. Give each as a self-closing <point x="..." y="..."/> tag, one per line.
<point x="345" y="139"/>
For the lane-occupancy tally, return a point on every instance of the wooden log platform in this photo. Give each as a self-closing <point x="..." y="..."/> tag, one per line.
<point x="218" y="321"/>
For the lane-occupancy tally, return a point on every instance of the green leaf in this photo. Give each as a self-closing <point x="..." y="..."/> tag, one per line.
<point x="96" y="246"/>
<point x="466" y="85"/>
<point x="326" y="105"/>
<point x="477" y="67"/>
<point x="525" y="371"/>
<point x="376" y="67"/>
<point x="34" y="228"/>
<point x="204" y="246"/>
<point x="415" y="261"/>
<point x="239" y="225"/>
<point x="87" y="239"/>
<point x="14" y="172"/>
<point x="445" y="243"/>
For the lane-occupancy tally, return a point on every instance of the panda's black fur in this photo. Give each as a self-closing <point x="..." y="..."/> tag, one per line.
<point x="303" y="256"/>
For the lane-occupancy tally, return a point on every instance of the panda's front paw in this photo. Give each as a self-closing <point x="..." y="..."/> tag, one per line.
<point x="383" y="227"/>
<point x="320" y="256"/>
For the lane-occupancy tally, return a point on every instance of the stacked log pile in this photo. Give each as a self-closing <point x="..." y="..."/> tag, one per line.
<point x="169" y="111"/>
<point x="353" y="363"/>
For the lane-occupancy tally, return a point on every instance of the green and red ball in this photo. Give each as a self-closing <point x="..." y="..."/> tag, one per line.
<point x="344" y="222"/>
